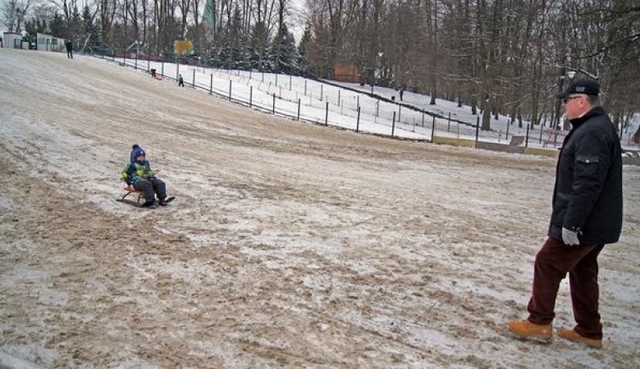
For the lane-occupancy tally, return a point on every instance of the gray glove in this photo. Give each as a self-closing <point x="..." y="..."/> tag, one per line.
<point x="570" y="237"/>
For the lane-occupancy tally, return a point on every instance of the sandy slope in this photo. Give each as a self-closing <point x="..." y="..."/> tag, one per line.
<point x="290" y="245"/>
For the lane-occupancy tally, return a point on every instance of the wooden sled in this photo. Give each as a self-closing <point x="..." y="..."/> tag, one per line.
<point x="129" y="189"/>
<point x="139" y="197"/>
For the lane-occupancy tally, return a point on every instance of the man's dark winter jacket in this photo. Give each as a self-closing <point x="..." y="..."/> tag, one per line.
<point x="588" y="192"/>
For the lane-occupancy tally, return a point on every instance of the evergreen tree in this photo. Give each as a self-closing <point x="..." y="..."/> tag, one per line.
<point x="258" y="46"/>
<point x="231" y="53"/>
<point x="284" y="54"/>
<point x="91" y="34"/>
<point x="303" y="52"/>
<point x="75" y="27"/>
<point x="33" y="27"/>
<point x="57" y="27"/>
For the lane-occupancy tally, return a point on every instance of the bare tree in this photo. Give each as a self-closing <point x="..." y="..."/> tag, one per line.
<point x="14" y="13"/>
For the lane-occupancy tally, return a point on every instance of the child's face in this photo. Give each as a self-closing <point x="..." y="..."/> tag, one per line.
<point x="140" y="158"/>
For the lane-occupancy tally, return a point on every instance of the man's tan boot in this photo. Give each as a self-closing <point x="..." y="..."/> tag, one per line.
<point x="574" y="336"/>
<point x="526" y="329"/>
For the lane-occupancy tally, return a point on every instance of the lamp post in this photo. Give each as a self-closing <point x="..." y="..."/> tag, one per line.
<point x="556" y="124"/>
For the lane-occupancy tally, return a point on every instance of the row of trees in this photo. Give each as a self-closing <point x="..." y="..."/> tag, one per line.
<point x="499" y="56"/>
<point x="245" y="34"/>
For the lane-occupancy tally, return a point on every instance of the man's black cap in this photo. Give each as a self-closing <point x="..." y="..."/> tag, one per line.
<point x="583" y="86"/>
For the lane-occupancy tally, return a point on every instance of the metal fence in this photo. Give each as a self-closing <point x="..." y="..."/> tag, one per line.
<point x="321" y="103"/>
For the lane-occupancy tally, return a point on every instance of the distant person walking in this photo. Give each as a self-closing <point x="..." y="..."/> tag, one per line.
<point x="69" y="49"/>
<point x="586" y="215"/>
<point x="180" y="81"/>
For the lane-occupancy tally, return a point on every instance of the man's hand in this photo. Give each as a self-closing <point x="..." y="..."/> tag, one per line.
<point x="569" y="237"/>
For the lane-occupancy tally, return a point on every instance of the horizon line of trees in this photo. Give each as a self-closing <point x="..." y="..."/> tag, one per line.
<point x="498" y="56"/>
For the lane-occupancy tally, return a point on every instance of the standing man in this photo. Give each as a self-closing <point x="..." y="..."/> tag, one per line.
<point x="69" y="49"/>
<point x="180" y="81"/>
<point x="587" y="214"/>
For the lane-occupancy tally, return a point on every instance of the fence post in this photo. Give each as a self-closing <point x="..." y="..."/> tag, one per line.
<point x="433" y="127"/>
<point x="449" y="122"/>
<point x="274" y="104"/>
<point x="211" y="85"/>
<point x="230" y="83"/>
<point x="249" y="73"/>
<point x="193" y="81"/>
<point x="358" y="121"/>
<point x="540" y="140"/>
<point x="276" y="79"/>
<point x="338" y="97"/>
<point x="262" y="76"/>
<point x="290" y="81"/>
<point x="162" y="71"/>
<point x="321" y="91"/>
<point x="423" y="119"/>
<point x="148" y="62"/>
<point x="358" y="101"/>
<point x="393" y="124"/>
<point x="250" y="96"/>
<point x="135" y="64"/>
<point x="399" y="112"/>
<point x="526" y="138"/>
<point x="477" y="127"/>
<point x="326" y="116"/>
<point x="298" y="109"/>
<point x="506" y="136"/>
<point x="177" y="69"/>
<point x="305" y="87"/>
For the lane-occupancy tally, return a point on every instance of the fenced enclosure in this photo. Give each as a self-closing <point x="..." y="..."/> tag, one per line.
<point x="321" y="102"/>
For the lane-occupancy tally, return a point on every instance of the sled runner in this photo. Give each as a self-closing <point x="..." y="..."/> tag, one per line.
<point x="139" y="197"/>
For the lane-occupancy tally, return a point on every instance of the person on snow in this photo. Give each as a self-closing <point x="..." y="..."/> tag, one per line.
<point x="69" y="46"/>
<point x="138" y="174"/>
<point x="586" y="215"/>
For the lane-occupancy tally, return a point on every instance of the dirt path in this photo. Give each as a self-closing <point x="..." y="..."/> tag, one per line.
<point x="289" y="245"/>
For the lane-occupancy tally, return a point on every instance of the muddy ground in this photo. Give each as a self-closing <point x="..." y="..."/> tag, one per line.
<point x="289" y="244"/>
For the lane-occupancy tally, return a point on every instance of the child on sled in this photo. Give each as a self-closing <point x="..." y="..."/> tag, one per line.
<point x="138" y="174"/>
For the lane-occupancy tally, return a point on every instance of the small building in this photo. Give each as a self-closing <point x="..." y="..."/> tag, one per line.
<point x="47" y="42"/>
<point x="12" y="40"/>
<point x="346" y="72"/>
